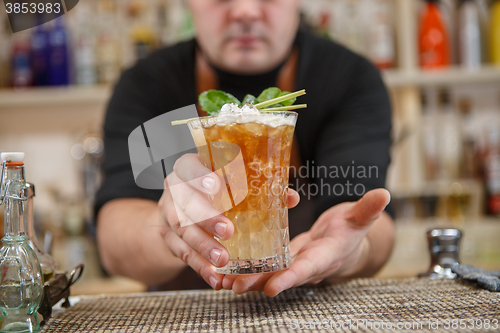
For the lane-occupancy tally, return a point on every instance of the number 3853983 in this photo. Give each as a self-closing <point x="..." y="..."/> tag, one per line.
<point x="32" y="8"/>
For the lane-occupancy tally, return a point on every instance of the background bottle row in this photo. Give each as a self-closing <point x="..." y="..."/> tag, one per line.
<point x="99" y="39"/>
<point x="92" y="44"/>
<point x="464" y="32"/>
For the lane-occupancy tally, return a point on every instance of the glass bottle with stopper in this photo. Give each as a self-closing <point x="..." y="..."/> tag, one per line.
<point x="21" y="274"/>
<point x="47" y="262"/>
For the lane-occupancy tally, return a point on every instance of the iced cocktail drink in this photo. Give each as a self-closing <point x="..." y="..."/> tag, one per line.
<point x="251" y="153"/>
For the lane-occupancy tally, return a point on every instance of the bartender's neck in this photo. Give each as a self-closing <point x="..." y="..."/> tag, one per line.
<point x="248" y="72"/>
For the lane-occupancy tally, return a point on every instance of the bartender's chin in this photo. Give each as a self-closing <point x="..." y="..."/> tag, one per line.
<point x="248" y="68"/>
<point x="250" y="63"/>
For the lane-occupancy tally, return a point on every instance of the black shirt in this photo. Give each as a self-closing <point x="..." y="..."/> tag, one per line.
<point x="343" y="136"/>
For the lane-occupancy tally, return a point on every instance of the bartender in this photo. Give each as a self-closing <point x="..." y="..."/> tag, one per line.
<point x="243" y="47"/>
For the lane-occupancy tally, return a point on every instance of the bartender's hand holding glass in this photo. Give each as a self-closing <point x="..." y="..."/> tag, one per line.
<point x="184" y="205"/>
<point x="335" y="247"/>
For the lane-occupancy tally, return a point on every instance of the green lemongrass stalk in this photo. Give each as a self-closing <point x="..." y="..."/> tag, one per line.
<point x="183" y="121"/>
<point x="280" y="99"/>
<point x="286" y="108"/>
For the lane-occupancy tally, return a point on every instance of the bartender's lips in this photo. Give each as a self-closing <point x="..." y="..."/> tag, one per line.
<point x="246" y="40"/>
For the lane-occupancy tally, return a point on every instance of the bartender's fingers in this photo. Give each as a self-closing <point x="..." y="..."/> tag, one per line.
<point x="293" y="198"/>
<point x="200" y="240"/>
<point x="367" y="209"/>
<point x="187" y="254"/>
<point x="257" y="281"/>
<point x="240" y="284"/>
<point x="185" y="206"/>
<point x="204" y="243"/>
<point x="312" y="265"/>
<point x="190" y="170"/>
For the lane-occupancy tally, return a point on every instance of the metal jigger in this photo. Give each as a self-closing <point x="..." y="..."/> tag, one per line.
<point x="444" y="245"/>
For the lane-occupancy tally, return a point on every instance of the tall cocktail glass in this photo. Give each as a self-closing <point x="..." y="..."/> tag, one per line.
<point x="252" y="157"/>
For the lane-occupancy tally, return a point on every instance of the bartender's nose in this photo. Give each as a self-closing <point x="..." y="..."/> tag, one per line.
<point x="246" y="11"/>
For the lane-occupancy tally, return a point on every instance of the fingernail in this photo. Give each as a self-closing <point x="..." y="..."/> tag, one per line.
<point x="220" y="228"/>
<point x="215" y="255"/>
<point x="213" y="282"/>
<point x="208" y="183"/>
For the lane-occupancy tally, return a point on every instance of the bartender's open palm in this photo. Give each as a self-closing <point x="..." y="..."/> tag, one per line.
<point x="334" y="246"/>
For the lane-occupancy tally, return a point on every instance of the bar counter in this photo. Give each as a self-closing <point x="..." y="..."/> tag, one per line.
<point x="367" y="305"/>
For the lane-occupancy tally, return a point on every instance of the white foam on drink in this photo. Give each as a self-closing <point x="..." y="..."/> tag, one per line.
<point x="230" y="113"/>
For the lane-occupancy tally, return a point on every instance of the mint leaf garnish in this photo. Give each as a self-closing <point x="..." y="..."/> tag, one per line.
<point x="212" y="101"/>
<point x="268" y="94"/>
<point x="248" y="99"/>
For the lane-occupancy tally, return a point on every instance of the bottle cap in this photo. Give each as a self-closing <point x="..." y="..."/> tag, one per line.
<point x="12" y="157"/>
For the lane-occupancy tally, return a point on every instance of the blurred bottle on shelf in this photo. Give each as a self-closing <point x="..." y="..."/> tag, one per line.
<point x="353" y="34"/>
<point x="429" y="136"/>
<point x="78" y="246"/>
<point x="380" y="34"/>
<point x="323" y="17"/>
<point x="169" y="18"/>
<point x="5" y="37"/>
<point x="450" y="17"/>
<point x="470" y="159"/>
<point x="89" y="153"/>
<point x="144" y="40"/>
<point x="458" y="202"/>
<point x="47" y="263"/>
<point x="332" y="15"/>
<point x="186" y="30"/>
<point x="405" y="208"/>
<point x="40" y="48"/>
<point x="84" y="47"/>
<point x="433" y="37"/>
<point x="371" y="36"/>
<point x="142" y="32"/>
<point x="324" y="28"/>
<point x="428" y="204"/>
<point x="59" y="64"/>
<point x="163" y="24"/>
<point x="469" y="35"/>
<point x="108" y="58"/>
<point x="494" y="33"/>
<point x="21" y="70"/>
<point x="492" y="170"/>
<point x="450" y="143"/>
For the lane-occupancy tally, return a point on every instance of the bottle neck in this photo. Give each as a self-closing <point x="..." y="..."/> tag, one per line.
<point x="14" y="185"/>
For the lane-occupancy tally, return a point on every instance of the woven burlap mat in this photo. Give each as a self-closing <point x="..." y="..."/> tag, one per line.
<point x="363" y="305"/>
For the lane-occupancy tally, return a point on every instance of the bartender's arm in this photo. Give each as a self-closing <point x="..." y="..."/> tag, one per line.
<point x="129" y="248"/>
